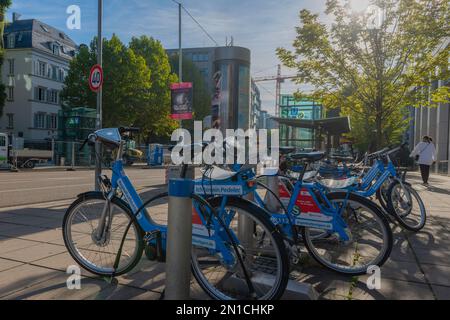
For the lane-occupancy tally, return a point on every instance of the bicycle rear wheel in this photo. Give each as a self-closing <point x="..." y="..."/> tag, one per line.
<point x="370" y="237"/>
<point x="261" y="265"/>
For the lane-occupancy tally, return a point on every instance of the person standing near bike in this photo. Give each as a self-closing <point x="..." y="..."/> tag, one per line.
<point x="425" y="155"/>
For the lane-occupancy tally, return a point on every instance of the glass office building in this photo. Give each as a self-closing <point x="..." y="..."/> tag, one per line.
<point x="291" y="108"/>
<point x="233" y="63"/>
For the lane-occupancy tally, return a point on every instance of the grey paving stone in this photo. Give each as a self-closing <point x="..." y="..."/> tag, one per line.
<point x="60" y="262"/>
<point x="8" y="264"/>
<point x="392" y="290"/>
<point x="14" y="230"/>
<point x="402" y="270"/>
<point x="441" y="292"/>
<point x="437" y="274"/>
<point x="14" y="244"/>
<point x="22" y="277"/>
<point x="34" y="253"/>
<point x="53" y="236"/>
<point x="439" y="256"/>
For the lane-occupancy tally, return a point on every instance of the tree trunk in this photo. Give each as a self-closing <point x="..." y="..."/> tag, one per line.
<point x="379" y="132"/>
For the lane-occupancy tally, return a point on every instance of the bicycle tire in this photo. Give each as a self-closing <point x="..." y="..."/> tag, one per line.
<point x="123" y="206"/>
<point x="375" y="210"/>
<point x="398" y="217"/>
<point x="264" y="218"/>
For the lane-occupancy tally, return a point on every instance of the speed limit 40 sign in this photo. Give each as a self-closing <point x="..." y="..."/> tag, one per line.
<point x="96" y="78"/>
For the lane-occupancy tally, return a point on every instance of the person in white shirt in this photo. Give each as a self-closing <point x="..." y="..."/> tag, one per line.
<point x="425" y="155"/>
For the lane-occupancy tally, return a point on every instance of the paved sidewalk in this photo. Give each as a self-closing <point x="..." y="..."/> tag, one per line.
<point x="33" y="260"/>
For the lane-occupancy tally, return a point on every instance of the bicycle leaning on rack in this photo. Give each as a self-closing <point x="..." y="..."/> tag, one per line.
<point x="107" y="234"/>
<point x="343" y="231"/>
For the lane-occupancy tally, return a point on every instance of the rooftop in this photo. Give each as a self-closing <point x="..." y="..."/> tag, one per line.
<point x="32" y="33"/>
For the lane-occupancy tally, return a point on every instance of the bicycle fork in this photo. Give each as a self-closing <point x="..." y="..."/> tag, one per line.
<point x="104" y="224"/>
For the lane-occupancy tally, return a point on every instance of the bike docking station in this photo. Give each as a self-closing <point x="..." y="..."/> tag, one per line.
<point x="179" y="240"/>
<point x="294" y="289"/>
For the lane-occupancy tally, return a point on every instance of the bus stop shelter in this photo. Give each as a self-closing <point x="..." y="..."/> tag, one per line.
<point x="331" y="128"/>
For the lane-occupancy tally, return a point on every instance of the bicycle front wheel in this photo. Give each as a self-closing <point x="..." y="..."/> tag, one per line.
<point x="261" y="266"/>
<point x="98" y="255"/>
<point x="369" y="232"/>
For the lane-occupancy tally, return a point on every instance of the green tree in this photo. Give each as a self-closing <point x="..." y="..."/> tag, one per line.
<point x="370" y="72"/>
<point x="201" y="94"/>
<point x="4" y="5"/>
<point x="129" y="95"/>
<point x="155" y="116"/>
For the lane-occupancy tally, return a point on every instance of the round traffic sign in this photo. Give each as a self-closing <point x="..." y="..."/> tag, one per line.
<point x="96" y="78"/>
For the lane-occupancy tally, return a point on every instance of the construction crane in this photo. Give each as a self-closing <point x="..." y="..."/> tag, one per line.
<point x="279" y="80"/>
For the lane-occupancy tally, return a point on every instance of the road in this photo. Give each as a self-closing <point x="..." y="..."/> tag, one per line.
<point x="34" y="186"/>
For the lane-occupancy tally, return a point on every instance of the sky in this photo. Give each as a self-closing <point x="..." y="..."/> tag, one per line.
<point x="260" y="25"/>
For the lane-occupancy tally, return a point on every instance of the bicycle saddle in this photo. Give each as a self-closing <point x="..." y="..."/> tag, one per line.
<point x="216" y="173"/>
<point x="286" y="150"/>
<point x="308" y="156"/>
<point x="338" y="183"/>
<point x="342" y="158"/>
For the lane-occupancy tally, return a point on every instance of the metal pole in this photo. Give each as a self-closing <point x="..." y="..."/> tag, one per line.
<point x="179" y="240"/>
<point x="73" y="154"/>
<point x="180" y="51"/>
<point x="98" y="125"/>
<point x="53" y="151"/>
<point x="180" y="54"/>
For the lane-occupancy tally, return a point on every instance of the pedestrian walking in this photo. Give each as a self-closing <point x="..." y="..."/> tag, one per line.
<point x="425" y="155"/>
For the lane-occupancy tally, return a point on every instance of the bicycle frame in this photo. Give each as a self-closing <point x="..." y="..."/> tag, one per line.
<point x="324" y="216"/>
<point x="206" y="232"/>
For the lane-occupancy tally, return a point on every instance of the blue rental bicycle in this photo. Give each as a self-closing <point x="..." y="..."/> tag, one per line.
<point x="383" y="179"/>
<point x="106" y="232"/>
<point x="343" y="231"/>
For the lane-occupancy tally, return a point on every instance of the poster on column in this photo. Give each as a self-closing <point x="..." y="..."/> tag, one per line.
<point x="181" y="100"/>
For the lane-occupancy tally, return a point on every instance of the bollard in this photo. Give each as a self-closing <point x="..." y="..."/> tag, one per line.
<point x="179" y="240"/>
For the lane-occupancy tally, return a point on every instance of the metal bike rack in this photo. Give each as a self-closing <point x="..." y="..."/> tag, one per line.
<point x="179" y="240"/>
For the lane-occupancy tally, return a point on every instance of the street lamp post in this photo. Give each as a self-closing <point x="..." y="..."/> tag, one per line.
<point x="98" y="124"/>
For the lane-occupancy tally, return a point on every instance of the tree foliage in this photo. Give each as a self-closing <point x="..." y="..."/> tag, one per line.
<point x="135" y="89"/>
<point x="370" y="73"/>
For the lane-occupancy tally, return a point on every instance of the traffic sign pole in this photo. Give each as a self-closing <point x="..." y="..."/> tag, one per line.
<point x="98" y="167"/>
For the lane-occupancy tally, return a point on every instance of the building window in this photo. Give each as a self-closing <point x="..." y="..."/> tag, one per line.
<point x="55" y="72"/>
<point x="10" y="94"/>
<point x="52" y="96"/>
<point x="42" y="68"/>
<point x="40" y="93"/>
<point x="61" y="75"/>
<point x="11" y="40"/>
<point x="55" y="49"/>
<point x="200" y="57"/>
<point x="10" y="120"/>
<point x="11" y="67"/>
<point x="39" y="120"/>
<point x="52" y="121"/>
